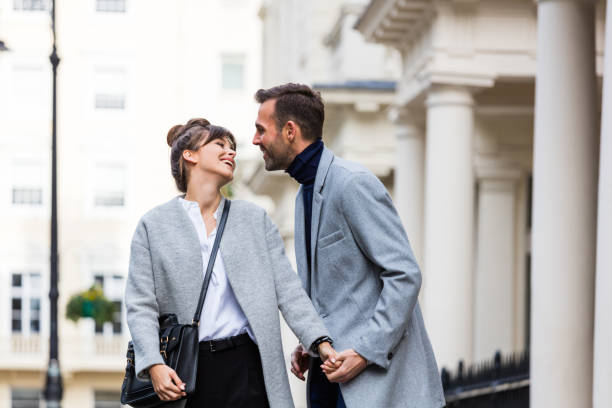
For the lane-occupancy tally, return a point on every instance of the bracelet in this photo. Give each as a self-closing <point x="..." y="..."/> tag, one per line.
<point x="317" y="343"/>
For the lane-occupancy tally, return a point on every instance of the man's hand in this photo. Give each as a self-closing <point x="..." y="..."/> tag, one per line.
<point x="352" y="365"/>
<point x="299" y="362"/>
<point x="166" y="383"/>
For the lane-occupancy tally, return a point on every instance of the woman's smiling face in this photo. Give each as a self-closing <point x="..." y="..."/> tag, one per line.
<point x="216" y="157"/>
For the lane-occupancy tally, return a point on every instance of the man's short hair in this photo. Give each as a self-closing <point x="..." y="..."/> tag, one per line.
<point x="298" y="103"/>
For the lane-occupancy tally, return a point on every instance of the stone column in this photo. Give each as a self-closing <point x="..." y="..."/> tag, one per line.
<point x="602" y="373"/>
<point x="564" y="206"/>
<point x="449" y="219"/>
<point x="409" y="177"/>
<point x="495" y="289"/>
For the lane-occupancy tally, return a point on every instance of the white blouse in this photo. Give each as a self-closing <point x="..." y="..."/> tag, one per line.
<point x="222" y="316"/>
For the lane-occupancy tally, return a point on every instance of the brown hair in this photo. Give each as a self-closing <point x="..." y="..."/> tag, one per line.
<point x="189" y="137"/>
<point x="298" y="103"/>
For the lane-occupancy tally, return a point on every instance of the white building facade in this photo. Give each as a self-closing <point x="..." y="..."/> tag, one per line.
<point x="129" y="70"/>
<point x="490" y="145"/>
<point x="502" y="101"/>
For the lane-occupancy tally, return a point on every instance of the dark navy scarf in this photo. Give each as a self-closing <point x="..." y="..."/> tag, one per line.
<point x="304" y="171"/>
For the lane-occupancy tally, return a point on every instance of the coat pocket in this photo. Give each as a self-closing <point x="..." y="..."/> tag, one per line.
<point x="330" y="239"/>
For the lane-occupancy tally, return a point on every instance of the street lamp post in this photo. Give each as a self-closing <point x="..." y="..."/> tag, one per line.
<point x="53" y="385"/>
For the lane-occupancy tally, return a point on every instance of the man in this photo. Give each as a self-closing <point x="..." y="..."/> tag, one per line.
<point x="354" y="261"/>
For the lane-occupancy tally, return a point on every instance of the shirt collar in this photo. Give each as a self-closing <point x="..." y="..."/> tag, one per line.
<point x="193" y="205"/>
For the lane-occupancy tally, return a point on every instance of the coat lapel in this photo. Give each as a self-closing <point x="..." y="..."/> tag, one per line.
<point x="317" y="204"/>
<point x="179" y="219"/>
<point x="300" y="242"/>
<point x="327" y="157"/>
<point x="236" y="267"/>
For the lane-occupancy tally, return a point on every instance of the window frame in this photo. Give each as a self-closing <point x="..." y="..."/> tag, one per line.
<point x="94" y="211"/>
<point x="235" y="59"/>
<point x="110" y="11"/>
<point x="25" y="293"/>
<point x="109" y="329"/>
<point x="30" y="401"/>
<point x="29" y="88"/>
<point x="46" y="6"/>
<point x="101" y="94"/>
<point x="26" y="210"/>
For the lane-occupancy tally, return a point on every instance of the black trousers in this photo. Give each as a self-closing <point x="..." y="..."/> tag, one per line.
<point x="323" y="394"/>
<point x="231" y="378"/>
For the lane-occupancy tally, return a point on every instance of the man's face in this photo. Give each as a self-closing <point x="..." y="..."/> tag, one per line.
<point x="273" y="144"/>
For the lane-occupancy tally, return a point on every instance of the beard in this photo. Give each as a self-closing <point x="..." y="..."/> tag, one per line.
<point x="271" y="164"/>
<point x="277" y="158"/>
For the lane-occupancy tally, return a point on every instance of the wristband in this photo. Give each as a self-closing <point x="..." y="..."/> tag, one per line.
<point x="317" y="343"/>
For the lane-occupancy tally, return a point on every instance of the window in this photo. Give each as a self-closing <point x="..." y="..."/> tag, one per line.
<point x="110" y="88"/>
<point x="27" y="196"/>
<point x="25" y="302"/>
<point x="35" y="315"/>
<point x="232" y="3"/>
<point x="232" y="72"/>
<point x="107" y="399"/>
<point x="110" y="101"/>
<point x="25" y="398"/>
<point x="30" y="90"/>
<point x="31" y="5"/>
<point x="17" y="314"/>
<point x="112" y="285"/>
<point x="27" y="187"/>
<point x="110" y="6"/>
<point x="109" y="180"/>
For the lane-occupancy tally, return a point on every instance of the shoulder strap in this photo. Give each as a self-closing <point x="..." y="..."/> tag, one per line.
<point x="211" y="262"/>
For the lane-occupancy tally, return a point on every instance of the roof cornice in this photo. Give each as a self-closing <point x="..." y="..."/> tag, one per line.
<point x="393" y="21"/>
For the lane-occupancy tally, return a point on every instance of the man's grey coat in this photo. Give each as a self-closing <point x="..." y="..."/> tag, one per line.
<point x="165" y="276"/>
<point x="364" y="283"/>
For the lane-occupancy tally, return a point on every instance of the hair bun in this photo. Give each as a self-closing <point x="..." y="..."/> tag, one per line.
<point x="176" y="130"/>
<point x="173" y="134"/>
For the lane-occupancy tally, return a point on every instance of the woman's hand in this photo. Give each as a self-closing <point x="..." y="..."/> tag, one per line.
<point x="166" y="383"/>
<point x="328" y="356"/>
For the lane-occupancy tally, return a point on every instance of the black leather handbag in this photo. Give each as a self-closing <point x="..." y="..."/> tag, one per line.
<point x="179" y="345"/>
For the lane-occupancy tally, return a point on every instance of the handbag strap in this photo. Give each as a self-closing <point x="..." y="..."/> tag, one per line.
<point x="211" y="262"/>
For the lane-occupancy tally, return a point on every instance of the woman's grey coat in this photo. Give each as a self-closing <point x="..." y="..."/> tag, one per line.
<point x="165" y="276"/>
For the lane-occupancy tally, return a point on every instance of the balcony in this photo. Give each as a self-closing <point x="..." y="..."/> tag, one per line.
<point x="91" y="353"/>
<point x="23" y="352"/>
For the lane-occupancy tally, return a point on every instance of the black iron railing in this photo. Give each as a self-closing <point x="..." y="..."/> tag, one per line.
<point x="500" y="383"/>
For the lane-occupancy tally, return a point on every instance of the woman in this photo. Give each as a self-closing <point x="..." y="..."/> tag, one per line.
<point x="252" y="279"/>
